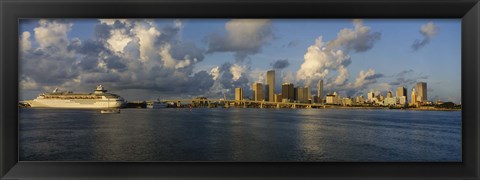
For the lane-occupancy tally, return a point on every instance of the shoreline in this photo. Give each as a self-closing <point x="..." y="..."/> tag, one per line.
<point x="328" y="107"/>
<point x="387" y="108"/>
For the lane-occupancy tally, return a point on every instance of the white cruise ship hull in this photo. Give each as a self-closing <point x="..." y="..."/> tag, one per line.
<point x="75" y="103"/>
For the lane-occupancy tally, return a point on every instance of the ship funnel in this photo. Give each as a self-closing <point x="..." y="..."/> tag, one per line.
<point x="100" y="89"/>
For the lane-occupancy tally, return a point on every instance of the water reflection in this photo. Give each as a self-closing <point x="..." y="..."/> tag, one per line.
<point x="124" y="138"/>
<point x="240" y="135"/>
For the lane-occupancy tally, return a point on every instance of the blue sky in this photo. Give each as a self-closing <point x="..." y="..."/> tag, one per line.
<point x="142" y="59"/>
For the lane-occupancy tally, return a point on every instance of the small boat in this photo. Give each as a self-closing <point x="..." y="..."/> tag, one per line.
<point x="156" y="105"/>
<point x="110" y="111"/>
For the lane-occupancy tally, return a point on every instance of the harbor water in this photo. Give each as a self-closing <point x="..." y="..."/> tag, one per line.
<point x="238" y="134"/>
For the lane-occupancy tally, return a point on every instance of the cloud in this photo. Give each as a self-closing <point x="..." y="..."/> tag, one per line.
<point x="428" y="31"/>
<point x="320" y="61"/>
<point x="244" y="37"/>
<point x="359" y="39"/>
<point x="280" y="64"/>
<point x="227" y="77"/>
<point x="122" y="55"/>
<point x="25" y="43"/>
<point x="407" y="78"/>
<point x="50" y="34"/>
<point x="366" y="78"/>
<point x="28" y="83"/>
<point x="323" y="58"/>
<point x="330" y="60"/>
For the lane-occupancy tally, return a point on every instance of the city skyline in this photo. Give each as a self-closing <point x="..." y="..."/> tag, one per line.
<point x="291" y="93"/>
<point x="148" y="59"/>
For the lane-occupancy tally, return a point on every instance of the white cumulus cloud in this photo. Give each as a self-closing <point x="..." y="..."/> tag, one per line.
<point x="428" y="31"/>
<point x="244" y="37"/>
<point x="25" y="43"/>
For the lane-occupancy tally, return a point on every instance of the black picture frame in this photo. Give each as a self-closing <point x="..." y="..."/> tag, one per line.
<point x="12" y="10"/>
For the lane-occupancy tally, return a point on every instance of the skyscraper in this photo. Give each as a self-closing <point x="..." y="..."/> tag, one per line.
<point x="258" y="91"/>
<point x="306" y="93"/>
<point x="287" y="91"/>
<point x="320" y="90"/>
<point x="271" y="84"/>
<point x="300" y="94"/>
<point x="238" y="94"/>
<point x="266" y="95"/>
<point x="401" y="91"/>
<point x="422" y="90"/>
<point x="414" y="97"/>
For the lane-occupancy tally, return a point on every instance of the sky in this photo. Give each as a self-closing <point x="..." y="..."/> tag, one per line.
<point x="142" y="59"/>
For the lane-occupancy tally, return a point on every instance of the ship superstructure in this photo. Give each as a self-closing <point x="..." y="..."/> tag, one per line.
<point x="99" y="99"/>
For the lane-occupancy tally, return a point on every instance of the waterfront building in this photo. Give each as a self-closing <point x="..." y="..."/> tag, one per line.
<point x="271" y="85"/>
<point x="389" y="94"/>
<point x="402" y="100"/>
<point x="278" y="97"/>
<point x="320" y="90"/>
<point x="288" y="91"/>
<point x="422" y="91"/>
<point x="376" y="101"/>
<point x="306" y="94"/>
<point x="380" y="98"/>
<point x="347" y="101"/>
<point x="267" y="93"/>
<point x="330" y="99"/>
<point x="370" y="96"/>
<point x="315" y="99"/>
<point x="402" y="91"/>
<point x="414" y="97"/>
<point x="333" y="98"/>
<point x="238" y="94"/>
<point x="359" y="99"/>
<point x="257" y="91"/>
<point x="390" y="101"/>
<point x="302" y="94"/>
<point x="295" y="94"/>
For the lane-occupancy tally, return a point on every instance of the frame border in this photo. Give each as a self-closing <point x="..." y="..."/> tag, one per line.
<point x="11" y="11"/>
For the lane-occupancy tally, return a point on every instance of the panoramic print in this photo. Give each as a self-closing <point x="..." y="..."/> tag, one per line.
<point x="269" y="90"/>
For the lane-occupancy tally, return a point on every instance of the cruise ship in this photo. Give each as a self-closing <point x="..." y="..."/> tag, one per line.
<point x="99" y="99"/>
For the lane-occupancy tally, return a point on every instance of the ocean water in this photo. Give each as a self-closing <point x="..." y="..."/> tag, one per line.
<point x="237" y="134"/>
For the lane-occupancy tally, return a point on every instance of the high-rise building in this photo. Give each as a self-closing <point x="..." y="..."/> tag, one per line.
<point x="295" y="94"/>
<point x="315" y="99"/>
<point x="414" y="97"/>
<point x="266" y="95"/>
<point x="306" y="92"/>
<point x="287" y="91"/>
<point x="422" y="91"/>
<point x="333" y="98"/>
<point x="402" y="91"/>
<point x="320" y="89"/>
<point x="271" y="85"/>
<point x="238" y="94"/>
<point x="370" y="96"/>
<point x="278" y="97"/>
<point x="257" y="91"/>
<point x="301" y="94"/>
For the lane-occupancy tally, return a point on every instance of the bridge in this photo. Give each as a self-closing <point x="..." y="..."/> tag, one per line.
<point x="242" y="103"/>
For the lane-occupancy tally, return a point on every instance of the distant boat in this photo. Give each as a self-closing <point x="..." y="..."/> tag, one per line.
<point x="156" y="105"/>
<point x="110" y="111"/>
